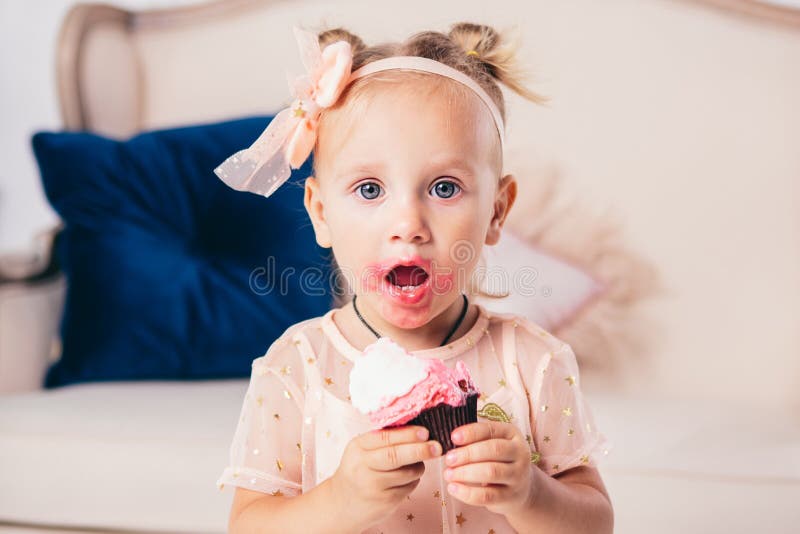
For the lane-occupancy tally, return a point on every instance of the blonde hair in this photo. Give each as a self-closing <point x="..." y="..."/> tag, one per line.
<point x="477" y="50"/>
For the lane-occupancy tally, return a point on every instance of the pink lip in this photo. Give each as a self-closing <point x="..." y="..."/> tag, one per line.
<point x="387" y="265"/>
<point x="406" y="297"/>
<point x="440" y="280"/>
<point x="376" y="278"/>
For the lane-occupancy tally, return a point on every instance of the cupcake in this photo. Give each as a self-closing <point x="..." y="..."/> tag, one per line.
<point x="395" y="388"/>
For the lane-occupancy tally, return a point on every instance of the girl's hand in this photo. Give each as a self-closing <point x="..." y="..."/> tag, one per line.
<point x="379" y="469"/>
<point x="491" y="467"/>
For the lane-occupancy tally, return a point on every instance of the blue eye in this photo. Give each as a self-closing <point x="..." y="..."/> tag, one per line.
<point x="446" y="189"/>
<point x="369" y="190"/>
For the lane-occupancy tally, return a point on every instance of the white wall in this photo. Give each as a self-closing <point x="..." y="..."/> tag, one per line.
<point x="28" y="100"/>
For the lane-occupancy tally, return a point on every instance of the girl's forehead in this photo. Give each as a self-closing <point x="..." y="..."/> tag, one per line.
<point x="412" y="120"/>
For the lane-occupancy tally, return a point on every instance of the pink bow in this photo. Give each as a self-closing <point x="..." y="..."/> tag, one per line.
<point x="290" y="137"/>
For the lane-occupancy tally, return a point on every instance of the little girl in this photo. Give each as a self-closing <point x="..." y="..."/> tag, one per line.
<point x="407" y="188"/>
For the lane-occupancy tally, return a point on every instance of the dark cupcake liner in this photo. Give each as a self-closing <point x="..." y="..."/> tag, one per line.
<point x="442" y="419"/>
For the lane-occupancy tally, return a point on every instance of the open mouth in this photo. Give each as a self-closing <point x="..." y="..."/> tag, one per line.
<point x="407" y="277"/>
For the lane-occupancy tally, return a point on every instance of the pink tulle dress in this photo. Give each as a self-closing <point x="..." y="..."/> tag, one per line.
<point x="296" y="418"/>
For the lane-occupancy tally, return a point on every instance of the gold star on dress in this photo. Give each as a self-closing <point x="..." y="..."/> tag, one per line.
<point x="571" y="380"/>
<point x="276" y="416"/>
<point x="535" y="457"/>
<point x="328" y="381"/>
<point x="279" y="464"/>
<point x="299" y="111"/>
<point x="260" y="400"/>
<point x="286" y="369"/>
<point x="585" y="459"/>
<point x="571" y="432"/>
<point x="410" y="517"/>
<point x="547" y="439"/>
<point x="277" y="493"/>
<point x="567" y="411"/>
<point x="460" y="519"/>
<point x="502" y="382"/>
<point x="436" y="494"/>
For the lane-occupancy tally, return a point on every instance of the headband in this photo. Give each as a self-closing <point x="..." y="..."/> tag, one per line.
<point x="291" y="135"/>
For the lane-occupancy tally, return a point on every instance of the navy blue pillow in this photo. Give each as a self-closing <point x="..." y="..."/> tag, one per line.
<point x="172" y="274"/>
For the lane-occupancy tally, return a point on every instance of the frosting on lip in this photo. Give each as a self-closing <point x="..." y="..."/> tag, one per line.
<point x="392" y="386"/>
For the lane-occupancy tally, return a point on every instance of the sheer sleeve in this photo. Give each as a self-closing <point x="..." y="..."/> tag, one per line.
<point x="566" y="434"/>
<point x="564" y="430"/>
<point x="265" y="454"/>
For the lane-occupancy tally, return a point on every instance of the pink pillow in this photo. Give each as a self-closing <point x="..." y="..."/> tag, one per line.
<point x="544" y="288"/>
<point x="589" y="283"/>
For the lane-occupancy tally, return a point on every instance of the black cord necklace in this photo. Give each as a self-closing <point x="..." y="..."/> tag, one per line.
<point x="446" y="339"/>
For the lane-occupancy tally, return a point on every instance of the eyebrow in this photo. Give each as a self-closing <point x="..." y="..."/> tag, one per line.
<point x="450" y="163"/>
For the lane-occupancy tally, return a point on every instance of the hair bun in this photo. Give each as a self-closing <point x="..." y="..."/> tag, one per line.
<point x="495" y="54"/>
<point x="340" y="34"/>
<point x="477" y="40"/>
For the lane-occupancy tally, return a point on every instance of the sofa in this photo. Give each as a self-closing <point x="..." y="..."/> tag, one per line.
<point x="673" y="115"/>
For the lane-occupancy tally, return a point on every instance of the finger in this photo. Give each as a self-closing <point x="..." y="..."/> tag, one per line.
<point x="473" y="432"/>
<point x="492" y="450"/>
<point x="479" y="495"/>
<point x="389" y="458"/>
<point x="401" y="476"/>
<point x="387" y="437"/>
<point x="482" y="473"/>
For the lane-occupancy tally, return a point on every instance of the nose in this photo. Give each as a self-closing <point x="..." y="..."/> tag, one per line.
<point x="409" y="222"/>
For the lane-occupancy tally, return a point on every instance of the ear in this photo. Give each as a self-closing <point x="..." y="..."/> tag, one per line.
<point x="312" y="200"/>
<point x="506" y="194"/>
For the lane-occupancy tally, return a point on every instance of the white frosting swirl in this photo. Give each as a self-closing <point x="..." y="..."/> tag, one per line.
<point x="384" y="372"/>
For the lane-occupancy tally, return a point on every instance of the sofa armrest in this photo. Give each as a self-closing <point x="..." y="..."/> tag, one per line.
<point x="32" y="290"/>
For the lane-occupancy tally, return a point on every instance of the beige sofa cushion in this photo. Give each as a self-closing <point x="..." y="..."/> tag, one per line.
<point x="147" y="455"/>
<point x="137" y="455"/>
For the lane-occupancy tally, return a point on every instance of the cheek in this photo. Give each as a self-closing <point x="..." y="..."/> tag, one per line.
<point x="462" y="235"/>
<point x="352" y="249"/>
<point x="463" y="230"/>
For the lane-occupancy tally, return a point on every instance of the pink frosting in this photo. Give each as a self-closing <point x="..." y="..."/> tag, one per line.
<point x="441" y="385"/>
